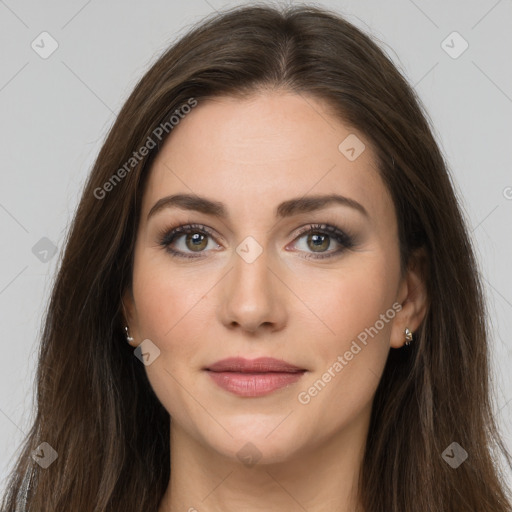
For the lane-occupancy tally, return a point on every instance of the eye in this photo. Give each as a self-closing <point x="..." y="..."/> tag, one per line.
<point x="195" y="238"/>
<point x="320" y="237"/>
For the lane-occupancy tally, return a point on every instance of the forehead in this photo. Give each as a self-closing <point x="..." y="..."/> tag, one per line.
<point x="252" y="154"/>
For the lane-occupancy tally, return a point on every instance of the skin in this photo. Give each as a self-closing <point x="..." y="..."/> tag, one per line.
<point x="252" y="154"/>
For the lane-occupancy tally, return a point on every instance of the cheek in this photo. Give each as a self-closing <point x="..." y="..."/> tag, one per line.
<point x="164" y="298"/>
<point x="170" y="313"/>
<point x="174" y="312"/>
<point x="349" y="301"/>
<point x="356" y="306"/>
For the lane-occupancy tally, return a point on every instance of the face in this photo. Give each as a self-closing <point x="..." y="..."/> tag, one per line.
<point x="266" y="271"/>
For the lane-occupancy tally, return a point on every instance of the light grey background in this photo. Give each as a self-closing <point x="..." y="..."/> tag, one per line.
<point x="56" y="111"/>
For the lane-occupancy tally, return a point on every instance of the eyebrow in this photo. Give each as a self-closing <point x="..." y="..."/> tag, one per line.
<point x="285" y="209"/>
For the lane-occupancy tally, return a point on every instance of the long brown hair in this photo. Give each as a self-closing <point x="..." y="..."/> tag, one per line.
<point x="95" y="405"/>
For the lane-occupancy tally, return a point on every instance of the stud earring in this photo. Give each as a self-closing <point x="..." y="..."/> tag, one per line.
<point x="129" y="339"/>
<point x="408" y="336"/>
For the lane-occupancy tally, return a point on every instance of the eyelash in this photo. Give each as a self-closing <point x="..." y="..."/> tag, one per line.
<point x="168" y="236"/>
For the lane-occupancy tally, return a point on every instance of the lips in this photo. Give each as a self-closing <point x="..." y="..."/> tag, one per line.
<point x="253" y="377"/>
<point x="260" y="365"/>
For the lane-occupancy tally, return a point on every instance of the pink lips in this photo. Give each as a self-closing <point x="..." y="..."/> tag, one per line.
<point x="253" y="377"/>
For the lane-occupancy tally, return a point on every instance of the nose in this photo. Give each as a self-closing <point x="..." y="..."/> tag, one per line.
<point x="253" y="296"/>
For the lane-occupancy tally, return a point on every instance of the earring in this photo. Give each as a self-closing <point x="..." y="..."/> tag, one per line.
<point x="129" y="339"/>
<point x="408" y="336"/>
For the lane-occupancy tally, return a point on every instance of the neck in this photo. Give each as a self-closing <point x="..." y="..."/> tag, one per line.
<point x="322" y="478"/>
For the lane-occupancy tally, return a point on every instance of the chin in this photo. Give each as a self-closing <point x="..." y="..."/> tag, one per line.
<point x="257" y="440"/>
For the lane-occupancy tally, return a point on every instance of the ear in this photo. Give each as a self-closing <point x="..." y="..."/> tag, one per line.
<point x="412" y="296"/>
<point x="129" y="317"/>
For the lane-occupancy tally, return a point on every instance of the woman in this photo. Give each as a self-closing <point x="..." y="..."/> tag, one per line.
<point x="268" y="298"/>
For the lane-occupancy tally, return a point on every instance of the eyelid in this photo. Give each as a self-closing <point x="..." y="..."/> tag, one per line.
<point x="326" y="228"/>
<point x="180" y="228"/>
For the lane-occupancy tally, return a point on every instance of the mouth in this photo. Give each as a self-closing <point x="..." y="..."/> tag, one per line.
<point x="253" y="378"/>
